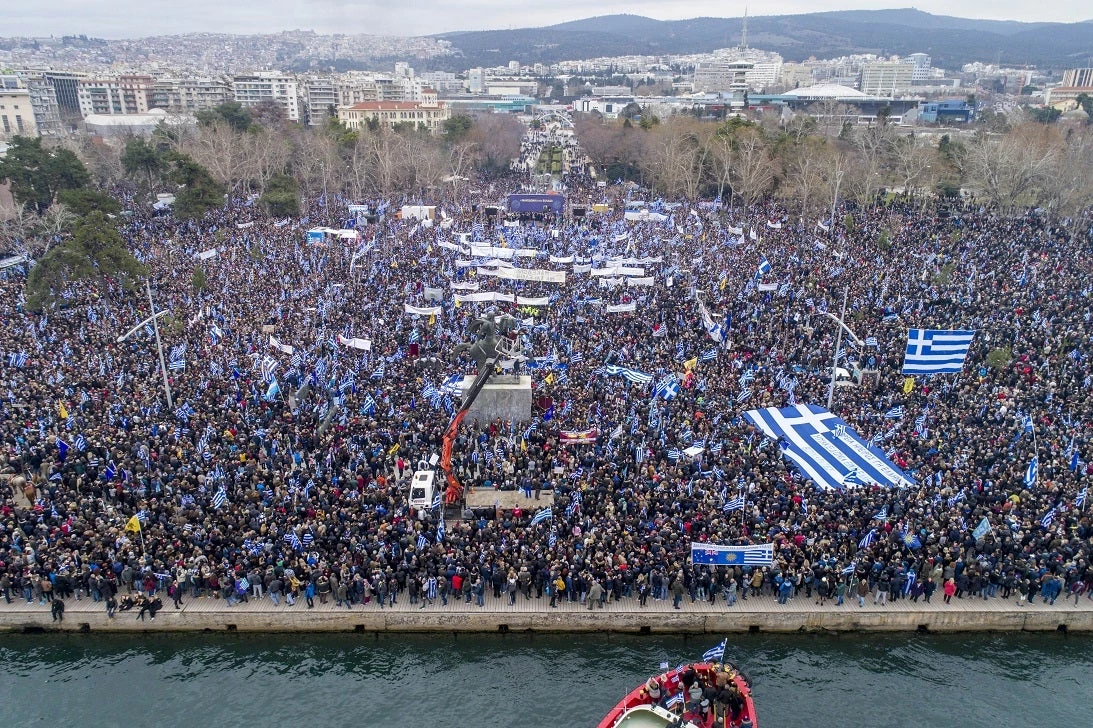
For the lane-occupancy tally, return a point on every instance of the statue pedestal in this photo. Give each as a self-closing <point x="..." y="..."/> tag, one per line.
<point x="504" y="397"/>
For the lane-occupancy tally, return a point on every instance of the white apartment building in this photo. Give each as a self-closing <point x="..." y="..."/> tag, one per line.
<point x="16" y="113"/>
<point x="127" y="94"/>
<point x="320" y="99"/>
<point x="190" y="94"/>
<point x="886" y="78"/>
<point x="252" y="89"/>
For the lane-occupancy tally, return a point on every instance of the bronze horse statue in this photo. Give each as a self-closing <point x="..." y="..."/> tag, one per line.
<point x="488" y="330"/>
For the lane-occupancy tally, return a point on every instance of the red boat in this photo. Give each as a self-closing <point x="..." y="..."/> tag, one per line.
<point x="672" y="708"/>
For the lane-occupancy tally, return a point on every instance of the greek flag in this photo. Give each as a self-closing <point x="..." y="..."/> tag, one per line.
<point x="869" y="539"/>
<point x="369" y="405"/>
<point x="437" y="501"/>
<point x="1079" y="502"/>
<point x="415" y="336"/>
<point x="422" y="542"/>
<point x="668" y="387"/>
<point x="715" y="653"/>
<point x="910" y="582"/>
<point x="871" y="341"/>
<point x="541" y="516"/>
<point x="712" y="554"/>
<point x="176" y="365"/>
<point x="80" y="443"/>
<point x="576" y="357"/>
<point x="552" y="539"/>
<point x="807" y="438"/>
<point x="1032" y="472"/>
<point x="895" y="413"/>
<point x="882" y="514"/>
<point x="854" y="477"/>
<point x="18" y="360"/>
<point x="440" y="531"/>
<point x="736" y="504"/>
<point x="630" y="375"/>
<point x="709" y="354"/>
<point x="932" y="351"/>
<point x="674" y="700"/>
<point x="220" y="498"/>
<point x="674" y="454"/>
<point x="379" y="373"/>
<point x="680" y="355"/>
<point x="956" y="499"/>
<point x="293" y="540"/>
<point x="744" y="396"/>
<point x="764" y="266"/>
<point x="1048" y="517"/>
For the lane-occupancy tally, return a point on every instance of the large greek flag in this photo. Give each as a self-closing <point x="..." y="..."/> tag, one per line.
<point x="825" y="449"/>
<point x="755" y="555"/>
<point x="932" y="351"/>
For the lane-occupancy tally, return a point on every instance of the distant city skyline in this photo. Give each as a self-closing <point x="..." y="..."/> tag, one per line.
<point x="138" y="18"/>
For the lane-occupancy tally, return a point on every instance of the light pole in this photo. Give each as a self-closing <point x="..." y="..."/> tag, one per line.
<point x="838" y="344"/>
<point x="154" y="320"/>
<point x="835" y="199"/>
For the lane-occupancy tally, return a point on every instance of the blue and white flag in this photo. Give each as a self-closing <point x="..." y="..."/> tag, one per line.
<point x="708" y="355"/>
<point x="668" y="387"/>
<point x="1079" y="501"/>
<point x="715" y="653"/>
<point x="422" y="542"/>
<point x="736" y="504"/>
<point x="764" y="266"/>
<point x="17" y="359"/>
<point x="807" y="437"/>
<point x="630" y="375"/>
<point x="1048" y="517"/>
<point x="868" y="540"/>
<point x="220" y="498"/>
<point x="80" y="443"/>
<point x="437" y="501"/>
<point x="934" y="351"/>
<point x="895" y="413"/>
<point x="543" y="515"/>
<point x="715" y="555"/>
<point x="1032" y="472"/>
<point x="871" y="341"/>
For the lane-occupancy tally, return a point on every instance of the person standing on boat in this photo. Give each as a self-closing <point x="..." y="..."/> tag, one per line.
<point x="654" y="694"/>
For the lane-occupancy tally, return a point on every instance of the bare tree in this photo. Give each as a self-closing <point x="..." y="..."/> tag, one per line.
<point x="809" y="170"/>
<point x="1011" y="168"/>
<point x="911" y="162"/>
<point x="219" y="148"/>
<point x="753" y="165"/>
<point x="54" y="223"/>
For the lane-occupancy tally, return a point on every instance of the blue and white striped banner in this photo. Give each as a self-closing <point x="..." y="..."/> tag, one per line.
<point x="824" y="448"/>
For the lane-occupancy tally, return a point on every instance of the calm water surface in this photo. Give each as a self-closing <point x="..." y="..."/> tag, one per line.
<point x="533" y="681"/>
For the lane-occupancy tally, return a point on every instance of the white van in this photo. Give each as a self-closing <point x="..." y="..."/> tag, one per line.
<point x="422" y="490"/>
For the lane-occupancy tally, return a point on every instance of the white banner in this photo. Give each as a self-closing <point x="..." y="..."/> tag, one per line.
<point x="763" y="287"/>
<point x="618" y="270"/>
<point x="586" y="268"/>
<point x="736" y="230"/>
<point x="526" y="252"/>
<point x="525" y="301"/>
<point x="433" y="294"/>
<point x="622" y="308"/>
<point x="486" y="251"/>
<point x="285" y="348"/>
<point x="362" y="344"/>
<point x="422" y="310"/>
<point x="640" y="281"/>
<point x="452" y="246"/>
<point x="525" y="274"/>
<point x="210" y="253"/>
<point x="465" y="286"/>
<point x="485" y="297"/>
<point x="561" y="261"/>
<point x="611" y="282"/>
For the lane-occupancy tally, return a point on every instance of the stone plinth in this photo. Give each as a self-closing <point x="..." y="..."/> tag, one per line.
<point x="504" y="397"/>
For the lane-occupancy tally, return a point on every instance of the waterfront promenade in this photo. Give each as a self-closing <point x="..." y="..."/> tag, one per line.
<point x="761" y="614"/>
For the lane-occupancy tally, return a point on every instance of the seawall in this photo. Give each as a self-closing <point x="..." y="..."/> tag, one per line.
<point x="761" y="614"/>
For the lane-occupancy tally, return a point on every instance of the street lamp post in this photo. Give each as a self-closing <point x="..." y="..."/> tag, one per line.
<point x="838" y="344"/>
<point x="834" y="200"/>
<point x="154" y="320"/>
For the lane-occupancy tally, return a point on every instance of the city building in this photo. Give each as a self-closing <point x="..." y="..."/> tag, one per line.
<point x="66" y="90"/>
<point x="885" y="78"/>
<point x="1077" y="77"/>
<point x="120" y="126"/>
<point x="920" y="67"/>
<point x="253" y="89"/>
<point x="391" y="113"/>
<point x="190" y="94"/>
<point x="946" y="111"/>
<point x="476" y="80"/>
<point x="1076" y="81"/>
<point x="16" y="113"/>
<point x="719" y="76"/>
<point x="320" y="100"/>
<point x="128" y="94"/>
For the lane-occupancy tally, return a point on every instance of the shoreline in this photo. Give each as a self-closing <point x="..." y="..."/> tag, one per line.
<point x="757" y="614"/>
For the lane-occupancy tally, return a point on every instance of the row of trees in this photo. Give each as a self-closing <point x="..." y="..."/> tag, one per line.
<point x="807" y="161"/>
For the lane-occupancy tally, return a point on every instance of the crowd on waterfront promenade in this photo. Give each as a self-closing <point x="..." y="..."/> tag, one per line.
<point x="249" y="488"/>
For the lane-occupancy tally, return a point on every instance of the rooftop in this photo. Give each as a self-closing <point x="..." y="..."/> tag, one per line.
<point x="826" y="91"/>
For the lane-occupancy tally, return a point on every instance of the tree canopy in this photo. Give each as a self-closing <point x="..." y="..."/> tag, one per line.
<point x="199" y="192"/>
<point x="95" y="250"/>
<point x="38" y="174"/>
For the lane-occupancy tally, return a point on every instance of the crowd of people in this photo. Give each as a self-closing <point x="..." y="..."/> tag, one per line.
<point x="281" y="472"/>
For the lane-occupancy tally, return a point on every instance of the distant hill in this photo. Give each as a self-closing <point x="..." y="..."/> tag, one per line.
<point x="951" y="42"/>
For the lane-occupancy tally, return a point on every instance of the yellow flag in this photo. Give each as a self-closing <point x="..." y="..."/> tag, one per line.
<point x="394" y="449"/>
<point x="133" y="525"/>
<point x="458" y="304"/>
<point x="550" y="378"/>
<point x="690" y="363"/>
<point x="62" y="410"/>
<point x="432" y="319"/>
<point x="723" y="282"/>
<point x="523" y="445"/>
<point x="503" y="244"/>
<point x="908" y="384"/>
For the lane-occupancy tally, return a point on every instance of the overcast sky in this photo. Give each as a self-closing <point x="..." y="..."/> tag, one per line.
<point x="134" y="18"/>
